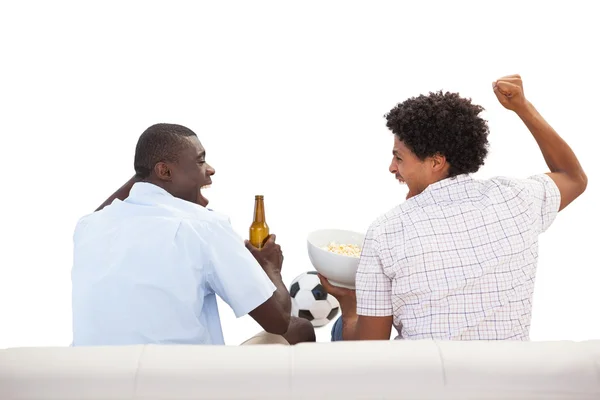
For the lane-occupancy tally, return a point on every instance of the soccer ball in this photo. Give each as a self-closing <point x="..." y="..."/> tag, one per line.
<point x="311" y="301"/>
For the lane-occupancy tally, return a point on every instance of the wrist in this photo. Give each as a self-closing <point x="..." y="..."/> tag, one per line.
<point x="526" y="110"/>
<point x="273" y="274"/>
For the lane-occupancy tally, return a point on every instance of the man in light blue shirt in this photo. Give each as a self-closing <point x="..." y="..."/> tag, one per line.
<point x="149" y="263"/>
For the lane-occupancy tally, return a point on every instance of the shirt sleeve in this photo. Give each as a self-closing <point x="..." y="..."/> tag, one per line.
<point x="543" y="199"/>
<point x="234" y="274"/>
<point x="373" y="286"/>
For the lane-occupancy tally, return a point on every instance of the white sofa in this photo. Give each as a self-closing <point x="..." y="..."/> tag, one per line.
<point x="350" y="370"/>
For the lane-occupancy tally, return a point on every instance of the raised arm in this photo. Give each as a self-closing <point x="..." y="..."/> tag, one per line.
<point x="565" y="169"/>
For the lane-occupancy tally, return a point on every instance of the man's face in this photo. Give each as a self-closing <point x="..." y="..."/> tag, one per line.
<point x="191" y="173"/>
<point x="409" y="169"/>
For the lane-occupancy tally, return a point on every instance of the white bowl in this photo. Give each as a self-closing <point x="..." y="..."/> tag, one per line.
<point x="340" y="270"/>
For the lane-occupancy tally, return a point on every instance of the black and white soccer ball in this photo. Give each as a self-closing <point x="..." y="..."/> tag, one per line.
<point x="311" y="301"/>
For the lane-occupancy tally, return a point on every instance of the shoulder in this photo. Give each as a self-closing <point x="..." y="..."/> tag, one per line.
<point x="204" y="225"/>
<point x="85" y="222"/>
<point x="535" y="185"/>
<point x="514" y="181"/>
<point x="166" y="218"/>
<point x="390" y="222"/>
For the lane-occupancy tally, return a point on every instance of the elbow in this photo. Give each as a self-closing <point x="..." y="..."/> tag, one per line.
<point x="581" y="182"/>
<point x="584" y="181"/>
<point x="577" y="183"/>
<point x="280" y="326"/>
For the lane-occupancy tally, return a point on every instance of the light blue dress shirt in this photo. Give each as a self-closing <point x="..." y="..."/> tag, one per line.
<point x="148" y="269"/>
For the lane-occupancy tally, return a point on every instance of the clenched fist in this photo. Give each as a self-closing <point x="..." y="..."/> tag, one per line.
<point x="509" y="91"/>
<point x="270" y="257"/>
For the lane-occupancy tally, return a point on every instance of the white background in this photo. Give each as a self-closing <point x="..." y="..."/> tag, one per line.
<point x="288" y="99"/>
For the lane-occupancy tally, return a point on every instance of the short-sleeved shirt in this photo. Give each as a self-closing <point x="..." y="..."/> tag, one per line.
<point x="148" y="270"/>
<point x="458" y="261"/>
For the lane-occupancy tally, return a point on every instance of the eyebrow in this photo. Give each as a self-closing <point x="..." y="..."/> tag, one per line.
<point x="202" y="154"/>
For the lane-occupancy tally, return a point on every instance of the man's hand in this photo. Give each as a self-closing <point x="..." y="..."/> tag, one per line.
<point x="270" y="257"/>
<point x="346" y="297"/>
<point x="509" y="91"/>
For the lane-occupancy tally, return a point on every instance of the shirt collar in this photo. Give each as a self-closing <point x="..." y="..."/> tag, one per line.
<point x="449" y="182"/>
<point x="140" y="189"/>
<point x="428" y="194"/>
<point x="144" y="190"/>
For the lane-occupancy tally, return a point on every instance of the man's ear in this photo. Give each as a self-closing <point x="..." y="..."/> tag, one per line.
<point x="438" y="162"/>
<point x="163" y="171"/>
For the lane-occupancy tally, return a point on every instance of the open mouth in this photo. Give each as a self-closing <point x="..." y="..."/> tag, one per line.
<point x="203" y="201"/>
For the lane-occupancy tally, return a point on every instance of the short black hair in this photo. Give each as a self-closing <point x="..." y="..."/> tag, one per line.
<point x="442" y="123"/>
<point x="159" y="143"/>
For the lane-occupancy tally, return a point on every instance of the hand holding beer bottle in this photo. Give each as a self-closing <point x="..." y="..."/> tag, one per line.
<point x="270" y="256"/>
<point x="262" y="244"/>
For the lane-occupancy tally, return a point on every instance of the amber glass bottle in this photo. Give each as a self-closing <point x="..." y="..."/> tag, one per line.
<point x="259" y="230"/>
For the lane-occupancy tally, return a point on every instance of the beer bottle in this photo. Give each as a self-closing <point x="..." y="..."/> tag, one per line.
<point x="259" y="230"/>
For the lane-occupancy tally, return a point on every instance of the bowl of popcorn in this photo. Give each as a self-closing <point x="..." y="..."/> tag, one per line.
<point x="335" y="253"/>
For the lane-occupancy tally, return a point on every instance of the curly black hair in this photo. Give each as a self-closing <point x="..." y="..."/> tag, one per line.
<point x="442" y="123"/>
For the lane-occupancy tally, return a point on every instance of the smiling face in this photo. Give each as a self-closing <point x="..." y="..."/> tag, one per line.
<point x="186" y="177"/>
<point x="417" y="174"/>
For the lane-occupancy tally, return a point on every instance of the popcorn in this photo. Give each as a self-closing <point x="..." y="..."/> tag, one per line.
<point x="350" y="250"/>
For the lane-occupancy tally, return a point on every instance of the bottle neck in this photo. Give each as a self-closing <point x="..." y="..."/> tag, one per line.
<point x="259" y="210"/>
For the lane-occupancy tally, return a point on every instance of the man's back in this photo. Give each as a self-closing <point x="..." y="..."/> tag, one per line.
<point x="461" y="258"/>
<point x="146" y="270"/>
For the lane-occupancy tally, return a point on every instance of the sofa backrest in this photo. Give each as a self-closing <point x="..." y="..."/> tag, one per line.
<point x="421" y="369"/>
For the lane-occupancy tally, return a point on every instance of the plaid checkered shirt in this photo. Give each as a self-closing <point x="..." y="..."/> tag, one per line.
<point x="458" y="261"/>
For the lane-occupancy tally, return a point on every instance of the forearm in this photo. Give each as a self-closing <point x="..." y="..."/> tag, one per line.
<point x="349" y="316"/>
<point x="121" y="193"/>
<point x="282" y="295"/>
<point x="558" y="155"/>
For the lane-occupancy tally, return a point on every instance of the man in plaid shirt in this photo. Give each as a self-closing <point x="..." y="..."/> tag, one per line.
<point x="457" y="259"/>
